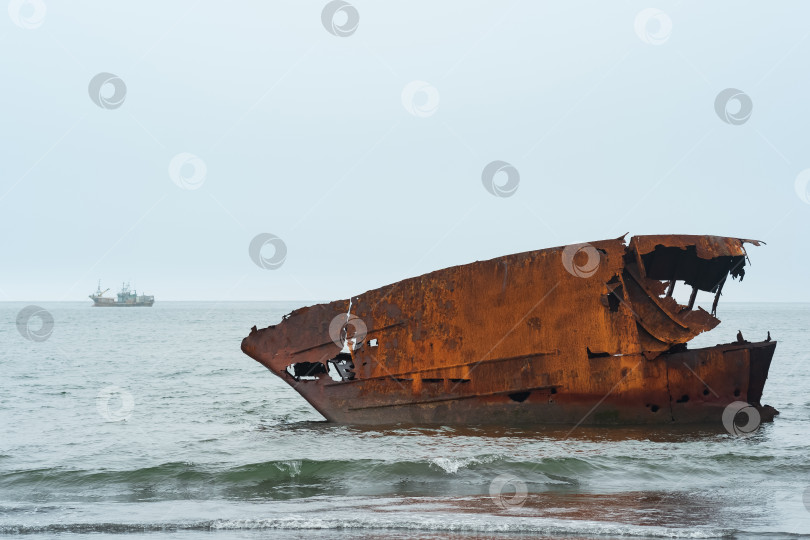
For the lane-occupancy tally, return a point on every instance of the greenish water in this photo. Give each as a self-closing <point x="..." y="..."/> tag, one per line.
<point x="151" y="423"/>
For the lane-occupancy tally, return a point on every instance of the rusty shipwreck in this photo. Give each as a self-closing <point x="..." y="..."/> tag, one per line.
<point x="586" y="333"/>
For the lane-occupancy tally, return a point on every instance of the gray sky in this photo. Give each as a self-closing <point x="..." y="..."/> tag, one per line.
<point x="607" y="112"/>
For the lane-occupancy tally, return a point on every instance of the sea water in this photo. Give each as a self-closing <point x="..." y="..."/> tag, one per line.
<point x="151" y="423"/>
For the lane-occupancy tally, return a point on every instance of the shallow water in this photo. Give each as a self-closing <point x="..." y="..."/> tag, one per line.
<point x="151" y="423"/>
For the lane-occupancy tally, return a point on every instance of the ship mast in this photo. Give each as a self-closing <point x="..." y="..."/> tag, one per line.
<point x="99" y="292"/>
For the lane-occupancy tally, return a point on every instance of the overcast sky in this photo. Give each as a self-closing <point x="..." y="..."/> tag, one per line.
<point x="357" y="135"/>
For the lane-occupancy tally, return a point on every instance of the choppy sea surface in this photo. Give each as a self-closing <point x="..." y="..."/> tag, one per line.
<point x="151" y="423"/>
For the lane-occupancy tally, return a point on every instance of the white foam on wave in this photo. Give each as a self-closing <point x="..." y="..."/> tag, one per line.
<point x="468" y="523"/>
<point x="452" y="465"/>
<point x="293" y="467"/>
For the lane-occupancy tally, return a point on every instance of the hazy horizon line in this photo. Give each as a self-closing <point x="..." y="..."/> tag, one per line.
<point x="329" y="301"/>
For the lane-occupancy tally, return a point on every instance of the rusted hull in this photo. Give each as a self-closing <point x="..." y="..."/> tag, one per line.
<point x="541" y="337"/>
<point x="688" y="387"/>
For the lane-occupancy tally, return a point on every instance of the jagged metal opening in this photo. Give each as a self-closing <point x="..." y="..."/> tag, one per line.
<point x="671" y="265"/>
<point x="598" y="354"/>
<point x="520" y="397"/>
<point x="674" y="263"/>
<point x="306" y="371"/>
<point x="615" y="296"/>
<point x="341" y="367"/>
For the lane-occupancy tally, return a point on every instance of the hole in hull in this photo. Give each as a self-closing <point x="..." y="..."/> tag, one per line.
<point x="520" y="397"/>
<point x="306" y="370"/>
<point x="596" y="354"/>
<point x="615" y="295"/>
<point x="343" y="367"/>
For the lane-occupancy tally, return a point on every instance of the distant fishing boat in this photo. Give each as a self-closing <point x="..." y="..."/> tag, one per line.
<point x="126" y="298"/>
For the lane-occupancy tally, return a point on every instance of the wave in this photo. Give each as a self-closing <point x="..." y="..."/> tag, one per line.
<point x="306" y="477"/>
<point x="288" y="478"/>
<point x="295" y="479"/>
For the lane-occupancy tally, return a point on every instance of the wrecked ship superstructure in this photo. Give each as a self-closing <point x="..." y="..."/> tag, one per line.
<point x="586" y="333"/>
